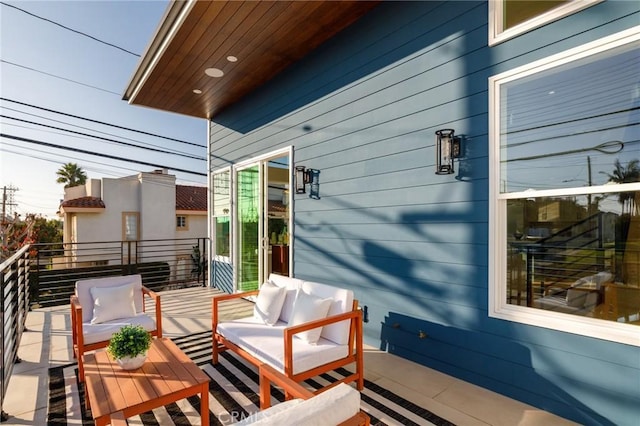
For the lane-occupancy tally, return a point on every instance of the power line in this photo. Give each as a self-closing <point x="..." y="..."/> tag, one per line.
<point x="103" y="138"/>
<point x="57" y="76"/>
<point x="82" y="151"/>
<point x="72" y="30"/>
<point x="101" y="122"/>
<point x="49" y="154"/>
<point x="90" y="129"/>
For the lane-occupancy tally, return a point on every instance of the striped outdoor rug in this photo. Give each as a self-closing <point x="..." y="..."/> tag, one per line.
<point x="235" y="394"/>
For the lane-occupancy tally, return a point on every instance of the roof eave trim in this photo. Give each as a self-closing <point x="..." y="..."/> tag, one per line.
<point x="74" y="209"/>
<point x="171" y="22"/>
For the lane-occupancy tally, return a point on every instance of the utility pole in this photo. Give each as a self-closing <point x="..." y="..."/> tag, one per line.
<point x="10" y="204"/>
<point x="7" y="201"/>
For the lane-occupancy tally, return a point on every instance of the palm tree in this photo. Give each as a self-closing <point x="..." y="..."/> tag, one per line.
<point x="71" y="175"/>
<point x="622" y="174"/>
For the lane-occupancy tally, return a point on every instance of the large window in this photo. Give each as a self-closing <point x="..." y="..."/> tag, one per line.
<point x="222" y="212"/>
<point x="130" y="226"/>
<point x="509" y="18"/>
<point x="565" y="191"/>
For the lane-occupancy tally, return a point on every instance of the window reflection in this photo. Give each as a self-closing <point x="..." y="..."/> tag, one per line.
<point x="577" y="254"/>
<point x="221" y="213"/>
<point x="519" y="11"/>
<point x="570" y="126"/>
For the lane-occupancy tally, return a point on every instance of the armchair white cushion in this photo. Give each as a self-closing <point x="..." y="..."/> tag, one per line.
<point x="83" y="292"/>
<point x="110" y="303"/>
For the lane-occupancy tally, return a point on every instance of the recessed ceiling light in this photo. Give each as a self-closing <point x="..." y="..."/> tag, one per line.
<point x="197" y="91"/>
<point x="214" y="72"/>
<point x="232" y="59"/>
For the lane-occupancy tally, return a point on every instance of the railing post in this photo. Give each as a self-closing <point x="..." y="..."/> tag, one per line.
<point x="529" y="277"/>
<point x="36" y="287"/>
<point x="203" y="256"/>
<point x="3" y="415"/>
<point x="601" y="256"/>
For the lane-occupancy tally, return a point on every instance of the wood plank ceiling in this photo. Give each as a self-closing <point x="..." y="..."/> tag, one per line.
<point x="264" y="37"/>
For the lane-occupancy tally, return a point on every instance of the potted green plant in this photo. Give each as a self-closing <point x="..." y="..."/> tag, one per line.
<point x="129" y="346"/>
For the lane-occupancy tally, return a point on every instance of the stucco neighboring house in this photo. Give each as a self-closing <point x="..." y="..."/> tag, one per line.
<point x="500" y="251"/>
<point x="146" y="206"/>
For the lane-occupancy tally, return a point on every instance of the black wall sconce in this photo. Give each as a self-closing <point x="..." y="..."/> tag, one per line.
<point x="447" y="148"/>
<point x="303" y="177"/>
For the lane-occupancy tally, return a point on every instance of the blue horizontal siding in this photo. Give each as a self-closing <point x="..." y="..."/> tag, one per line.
<point x="362" y="110"/>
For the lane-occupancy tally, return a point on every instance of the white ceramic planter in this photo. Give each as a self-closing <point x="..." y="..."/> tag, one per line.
<point x="131" y="363"/>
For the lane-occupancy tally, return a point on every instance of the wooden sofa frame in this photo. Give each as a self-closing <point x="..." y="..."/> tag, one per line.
<point x="79" y="348"/>
<point x="269" y="375"/>
<point x="355" y="353"/>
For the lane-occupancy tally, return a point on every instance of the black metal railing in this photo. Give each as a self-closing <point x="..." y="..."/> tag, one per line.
<point x="562" y="256"/>
<point x="163" y="263"/>
<point x="14" y="299"/>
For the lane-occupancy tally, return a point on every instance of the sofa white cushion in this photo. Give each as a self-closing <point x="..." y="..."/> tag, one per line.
<point x="83" y="292"/>
<point x="328" y="408"/>
<point x="584" y="291"/>
<point x="269" y="303"/>
<point x="292" y="285"/>
<point x="111" y="303"/>
<point x="266" y="344"/>
<point x="308" y="308"/>
<point x="102" y="332"/>
<point x="274" y="409"/>
<point x="342" y="302"/>
<point x="575" y="298"/>
<point x="595" y="281"/>
<point x="602" y="278"/>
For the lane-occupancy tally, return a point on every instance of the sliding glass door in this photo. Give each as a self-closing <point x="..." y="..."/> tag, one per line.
<point x="262" y="221"/>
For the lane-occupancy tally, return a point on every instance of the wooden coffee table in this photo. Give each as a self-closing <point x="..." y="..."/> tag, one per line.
<point x="168" y="375"/>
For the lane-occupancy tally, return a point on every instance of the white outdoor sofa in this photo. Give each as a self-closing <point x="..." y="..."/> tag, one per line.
<point x="300" y="328"/>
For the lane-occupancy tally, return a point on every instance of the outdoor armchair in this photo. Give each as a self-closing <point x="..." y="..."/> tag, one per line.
<point x="101" y="306"/>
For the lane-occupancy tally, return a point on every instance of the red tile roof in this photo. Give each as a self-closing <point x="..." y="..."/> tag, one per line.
<point x="85" y="202"/>
<point x="191" y="198"/>
<point x="187" y="198"/>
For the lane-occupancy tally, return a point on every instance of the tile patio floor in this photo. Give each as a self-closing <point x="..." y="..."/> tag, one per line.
<point x="47" y="343"/>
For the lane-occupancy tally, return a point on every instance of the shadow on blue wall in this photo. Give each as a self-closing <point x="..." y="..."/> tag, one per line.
<point x="430" y="289"/>
<point x="349" y="62"/>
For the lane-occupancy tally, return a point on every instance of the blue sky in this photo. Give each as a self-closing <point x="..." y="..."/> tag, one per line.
<point x="38" y="60"/>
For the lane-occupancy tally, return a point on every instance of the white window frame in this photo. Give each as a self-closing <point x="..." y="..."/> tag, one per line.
<point x="498" y="306"/>
<point x="496" y="12"/>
